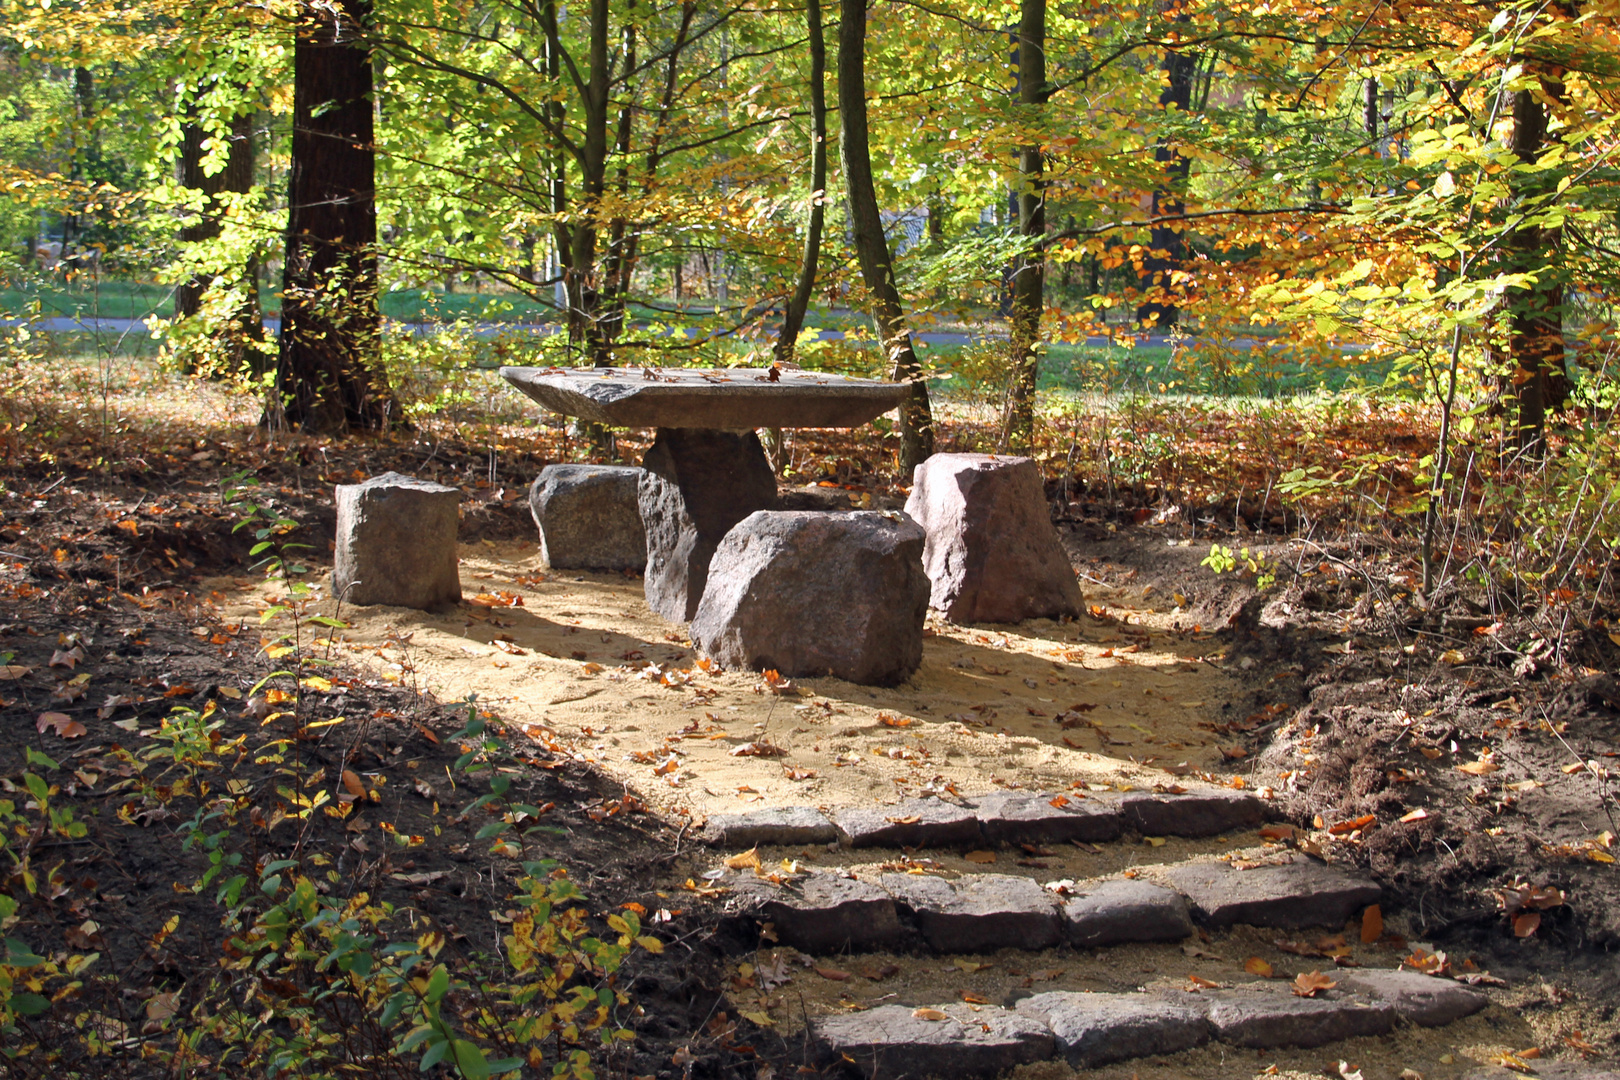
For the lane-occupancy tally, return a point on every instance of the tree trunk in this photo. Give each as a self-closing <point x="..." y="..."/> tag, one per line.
<point x="799" y="302"/>
<point x="327" y="377"/>
<point x="1540" y="380"/>
<point x="1028" y="289"/>
<point x="235" y="178"/>
<point x="871" y="248"/>
<point x="1167" y="243"/>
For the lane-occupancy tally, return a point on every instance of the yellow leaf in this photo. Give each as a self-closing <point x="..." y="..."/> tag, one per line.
<point x="650" y="943"/>
<point x="1256" y="966"/>
<point x="762" y="1019"/>
<point x="930" y="1014"/>
<point x="748" y="860"/>
<point x="315" y="682"/>
<point x="1478" y="768"/>
<point x="1453" y="656"/>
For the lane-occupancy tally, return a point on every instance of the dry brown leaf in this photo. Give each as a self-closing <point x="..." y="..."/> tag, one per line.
<point x="1256" y="966"/>
<point x="748" y="860"/>
<point x="930" y="1014"/>
<point x="980" y="856"/>
<point x="353" y="784"/>
<point x="974" y="999"/>
<point x="1525" y="924"/>
<point x="832" y="973"/>
<point x="878" y="974"/>
<point x="61" y="723"/>
<point x="1429" y="752"/>
<point x="758" y="749"/>
<point x="1278" y="832"/>
<point x="1372" y="924"/>
<point x="1309" y="984"/>
<point x="1201" y="983"/>
<point x="1478" y="768"/>
<point x="1341" y="828"/>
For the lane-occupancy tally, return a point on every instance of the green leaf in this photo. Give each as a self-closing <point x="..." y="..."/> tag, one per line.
<point x="29" y="1004"/>
<point x="438" y="985"/>
<point x="435" y="1053"/>
<point x="470" y="1061"/>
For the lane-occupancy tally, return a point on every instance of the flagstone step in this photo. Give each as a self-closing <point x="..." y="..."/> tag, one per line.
<point x="1090" y="1030"/>
<point x="826" y="911"/>
<point x="997" y="818"/>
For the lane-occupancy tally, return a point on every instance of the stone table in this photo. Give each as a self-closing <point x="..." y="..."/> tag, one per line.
<point x="706" y="469"/>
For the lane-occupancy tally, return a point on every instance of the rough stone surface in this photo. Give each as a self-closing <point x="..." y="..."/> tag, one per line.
<point x="893" y="1043"/>
<point x="1098" y="1029"/>
<point x="1194" y="814"/>
<point x="1546" y="1070"/>
<point x="728" y="398"/>
<point x="1111" y="912"/>
<point x="992" y="555"/>
<point x="978" y="912"/>
<point x="589" y="517"/>
<point x="913" y="823"/>
<point x="396" y="543"/>
<point x="1265" y="1019"/>
<point x="1296" y="894"/>
<point x="1423" y="999"/>
<point x="1009" y="817"/>
<point x="695" y="486"/>
<point x="824" y="913"/>
<point x="783" y="825"/>
<point x="807" y="593"/>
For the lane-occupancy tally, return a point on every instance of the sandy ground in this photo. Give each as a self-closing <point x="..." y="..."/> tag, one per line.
<point x="1113" y="698"/>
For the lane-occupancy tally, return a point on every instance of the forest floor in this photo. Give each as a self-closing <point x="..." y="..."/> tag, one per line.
<point x="1441" y="749"/>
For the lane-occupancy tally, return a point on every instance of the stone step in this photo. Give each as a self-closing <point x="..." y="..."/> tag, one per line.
<point x="998" y="818"/>
<point x="1091" y="1030"/>
<point x="825" y="911"/>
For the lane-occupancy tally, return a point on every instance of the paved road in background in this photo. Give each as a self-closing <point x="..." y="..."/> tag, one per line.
<point x="126" y="327"/>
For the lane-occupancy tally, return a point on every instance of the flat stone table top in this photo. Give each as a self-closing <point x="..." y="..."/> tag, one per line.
<point x="734" y="399"/>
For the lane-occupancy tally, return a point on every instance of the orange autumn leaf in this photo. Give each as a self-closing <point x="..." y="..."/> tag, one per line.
<point x="1309" y="984"/>
<point x="1372" y="924"/>
<point x="1525" y="924"/>
<point x="1256" y="966"/>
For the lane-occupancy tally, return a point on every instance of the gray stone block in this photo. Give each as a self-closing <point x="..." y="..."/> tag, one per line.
<point x="912" y="823"/>
<point x="696" y="484"/>
<point x="1296" y="894"/>
<point x="589" y="517"/>
<point x="978" y="912"/>
<point x="805" y="593"/>
<point x="893" y="1043"/>
<point x="993" y="554"/>
<point x="1099" y="1029"/>
<point x="396" y="543"/>
<point x="824" y="913"/>
<point x="781" y="826"/>
<point x="1111" y="912"/>
<point x="1425" y="1000"/>
<point x="1269" y="1020"/>
<point x="1547" y="1070"/>
<point x="1010" y="817"/>
<point x="1204" y="813"/>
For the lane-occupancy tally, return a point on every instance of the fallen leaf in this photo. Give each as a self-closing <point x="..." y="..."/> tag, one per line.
<point x="832" y="973"/>
<point x="1416" y="815"/>
<point x="759" y="1018"/>
<point x="980" y="856"/>
<point x="930" y="1014"/>
<point x="1343" y="827"/>
<point x="970" y="966"/>
<point x="1478" y="768"/>
<point x="1277" y="832"/>
<point x="1311" y="983"/>
<point x="748" y="860"/>
<point x="878" y="974"/>
<point x="163" y="1006"/>
<point x="758" y="749"/>
<point x="353" y="784"/>
<point x="1200" y="983"/>
<point x="973" y="999"/>
<point x="1525" y="924"/>
<point x="1453" y="656"/>
<point x="1256" y="966"/>
<point x="1372" y="924"/>
<point x="63" y="724"/>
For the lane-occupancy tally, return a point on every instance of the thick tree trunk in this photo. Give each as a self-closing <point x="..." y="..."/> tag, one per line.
<point x="1539" y="379"/>
<point x="235" y="178"/>
<point x="327" y="377"/>
<point x="1167" y="243"/>
<point x="799" y="302"/>
<point x="871" y="248"/>
<point x="1028" y="287"/>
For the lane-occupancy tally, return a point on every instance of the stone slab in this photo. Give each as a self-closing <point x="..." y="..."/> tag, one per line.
<point x="1099" y="1029"/>
<point x="1272" y="1019"/>
<point x="589" y="517"/>
<point x="1425" y="1000"/>
<point x="892" y="1043"/>
<point x="1297" y="894"/>
<point x="1193" y="814"/>
<point x="695" y="486"/>
<point x="1010" y="817"/>
<point x="734" y="399"/>
<point x="396" y="543"/>
<point x="825" y="913"/>
<point x="1112" y="912"/>
<point x="913" y="823"/>
<point x="1547" y="1070"/>
<point x="977" y="912"/>
<point x="781" y="826"/>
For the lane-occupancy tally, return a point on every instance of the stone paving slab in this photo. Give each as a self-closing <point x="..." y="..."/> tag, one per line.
<point x="913" y="823"/>
<point x="1425" y="1000"/>
<point x="978" y="912"/>
<point x="1099" y="1029"/>
<point x="1194" y="814"/>
<point x="1009" y="817"/>
<point x="1112" y="912"/>
<point x="1547" y="1070"/>
<point x="1297" y="894"/>
<point x="783" y="826"/>
<point x="824" y="913"/>
<point x="895" y="1043"/>
<point x="1268" y="1019"/>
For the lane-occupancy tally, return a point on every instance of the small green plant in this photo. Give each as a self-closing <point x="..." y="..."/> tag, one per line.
<point x="1222" y="560"/>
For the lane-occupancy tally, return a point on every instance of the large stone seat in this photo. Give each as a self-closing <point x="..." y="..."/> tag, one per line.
<point x="992" y="553"/>
<point x="589" y="517"/>
<point x="396" y="543"/>
<point x="808" y="593"/>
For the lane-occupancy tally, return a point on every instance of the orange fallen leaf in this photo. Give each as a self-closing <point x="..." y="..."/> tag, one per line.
<point x="1525" y="924"/>
<point x="1416" y="815"/>
<point x="1256" y="966"/>
<point x="930" y="1014"/>
<point x="748" y="860"/>
<point x="63" y="724"/>
<point x="1343" y="827"/>
<point x="1429" y="752"/>
<point x="974" y="999"/>
<point x="1200" y="983"/>
<point x="1578" y="766"/>
<point x="1372" y="925"/>
<point x="832" y="973"/>
<point x="1478" y="768"/>
<point x="980" y="856"/>
<point x="353" y="784"/>
<point x="1277" y="832"/>
<point x="1309" y="984"/>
